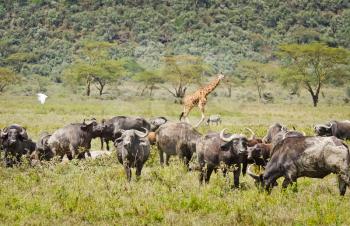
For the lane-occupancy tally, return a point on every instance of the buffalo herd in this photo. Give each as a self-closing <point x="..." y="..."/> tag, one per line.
<point x="281" y="152"/>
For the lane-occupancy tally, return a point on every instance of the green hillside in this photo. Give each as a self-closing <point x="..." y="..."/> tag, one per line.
<point x="42" y="36"/>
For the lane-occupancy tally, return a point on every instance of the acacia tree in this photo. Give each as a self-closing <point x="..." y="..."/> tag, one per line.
<point x="311" y="66"/>
<point x="180" y="71"/>
<point x="111" y="70"/>
<point x="94" y="66"/>
<point x="258" y="73"/>
<point x="7" y="77"/>
<point x="82" y="73"/>
<point x="149" y="79"/>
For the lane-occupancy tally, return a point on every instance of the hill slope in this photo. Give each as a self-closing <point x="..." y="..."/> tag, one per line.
<point x="41" y="36"/>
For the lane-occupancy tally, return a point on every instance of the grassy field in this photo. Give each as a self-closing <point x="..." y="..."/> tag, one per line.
<point x="96" y="191"/>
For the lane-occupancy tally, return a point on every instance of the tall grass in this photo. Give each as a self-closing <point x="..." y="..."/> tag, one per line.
<point x="96" y="191"/>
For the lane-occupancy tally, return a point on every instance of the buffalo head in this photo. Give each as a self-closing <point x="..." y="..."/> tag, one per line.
<point x="91" y="126"/>
<point x="130" y="137"/>
<point x="273" y="131"/>
<point x="259" y="153"/>
<point x="323" y="129"/>
<point x="236" y="142"/>
<point x="13" y="133"/>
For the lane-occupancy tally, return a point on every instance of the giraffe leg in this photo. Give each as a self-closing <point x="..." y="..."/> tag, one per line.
<point x="201" y="106"/>
<point x="185" y="113"/>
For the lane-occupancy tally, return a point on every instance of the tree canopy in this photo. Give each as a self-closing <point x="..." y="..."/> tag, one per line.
<point x="182" y="70"/>
<point x="223" y="33"/>
<point x="312" y="65"/>
<point x="257" y="73"/>
<point x="7" y="77"/>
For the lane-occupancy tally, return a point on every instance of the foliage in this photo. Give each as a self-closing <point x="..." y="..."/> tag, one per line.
<point x="149" y="79"/>
<point x="94" y="66"/>
<point x="257" y="73"/>
<point x="7" y="77"/>
<point x="182" y="70"/>
<point x="311" y="66"/>
<point x="112" y="70"/>
<point x="223" y="33"/>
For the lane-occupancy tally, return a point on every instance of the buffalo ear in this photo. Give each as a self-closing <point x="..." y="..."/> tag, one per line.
<point x="118" y="133"/>
<point x="118" y="140"/>
<point x="84" y="127"/>
<point x="226" y="146"/>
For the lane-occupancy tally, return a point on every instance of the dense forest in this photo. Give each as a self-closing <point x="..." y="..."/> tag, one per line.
<point x="44" y="38"/>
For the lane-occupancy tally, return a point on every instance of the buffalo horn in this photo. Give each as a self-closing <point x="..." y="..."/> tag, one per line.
<point x="228" y="139"/>
<point x="141" y="134"/>
<point x="3" y="133"/>
<point x="253" y="175"/>
<point x="252" y="132"/>
<point x="23" y="132"/>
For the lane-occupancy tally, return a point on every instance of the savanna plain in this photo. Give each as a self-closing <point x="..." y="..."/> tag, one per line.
<point x="95" y="191"/>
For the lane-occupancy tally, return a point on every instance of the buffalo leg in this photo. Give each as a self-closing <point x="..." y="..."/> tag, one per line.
<point x="138" y="170"/>
<point x="161" y="157"/>
<point x="202" y="168"/>
<point x="342" y="185"/>
<point x="127" y="170"/>
<point x="101" y="140"/>
<point x="208" y="173"/>
<point x="81" y="155"/>
<point x="107" y="144"/>
<point x="236" y="174"/>
<point x="224" y="172"/>
<point x="201" y="176"/>
<point x="286" y="182"/>
<point x="167" y="157"/>
<point x="245" y="166"/>
<point x="8" y="159"/>
<point x="69" y="156"/>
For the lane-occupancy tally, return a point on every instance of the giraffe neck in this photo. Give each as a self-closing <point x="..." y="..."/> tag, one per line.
<point x="211" y="86"/>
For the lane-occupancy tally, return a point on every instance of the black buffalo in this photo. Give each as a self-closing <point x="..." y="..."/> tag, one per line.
<point x="278" y="132"/>
<point x="74" y="140"/>
<point x="176" y="138"/>
<point x="15" y="144"/>
<point x="43" y="151"/>
<point x="133" y="149"/>
<point x="340" y="129"/>
<point x="115" y="124"/>
<point x="314" y="157"/>
<point x="214" y="150"/>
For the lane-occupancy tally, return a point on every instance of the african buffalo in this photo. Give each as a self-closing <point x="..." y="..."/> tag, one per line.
<point x="74" y="140"/>
<point x="43" y="151"/>
<point x="176" y="138"/>
<point x="214" y="149"/>
<point x="14" y="143"/>
<point x="259" y="154"/>
<point x="340" y="129"/>
<point x="113" y="125"/>
<point x="278" y="132"/>
<point x="314" y="157"/>
<point x="133" y="149"/>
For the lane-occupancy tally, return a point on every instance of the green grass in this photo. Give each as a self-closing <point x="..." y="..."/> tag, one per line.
<point x="96" y="191"/>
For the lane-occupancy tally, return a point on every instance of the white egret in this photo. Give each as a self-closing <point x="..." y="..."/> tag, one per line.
<point x="42" y="97"/>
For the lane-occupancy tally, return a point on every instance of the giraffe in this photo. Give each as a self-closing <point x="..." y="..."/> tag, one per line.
<point x="199" y="98"/>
